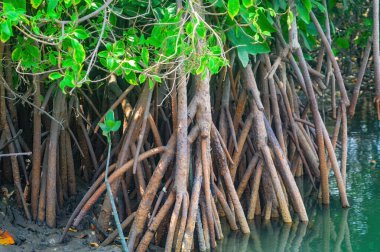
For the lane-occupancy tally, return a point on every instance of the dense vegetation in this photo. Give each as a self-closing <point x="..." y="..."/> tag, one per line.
<point x="208" y="109"/>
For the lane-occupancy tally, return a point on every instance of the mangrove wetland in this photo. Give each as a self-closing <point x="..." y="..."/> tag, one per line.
<point x="148" y="125"/>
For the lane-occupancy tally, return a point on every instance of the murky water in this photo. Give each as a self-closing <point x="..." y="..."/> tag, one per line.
<point x="330" y="228"/>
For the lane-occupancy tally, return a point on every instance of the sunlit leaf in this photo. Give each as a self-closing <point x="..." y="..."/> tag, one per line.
<point x="289" y="19"/>
<point x="142" y="78"/>
<point x="145" y="56"/>
<point x="248" y="3"/>
<point x="201" y="30"/>
<point x="79" y="53"/>
<point x="151" y="84"/>
<point x="81" y="33"/>
<point x="35" y="3"/>
<point x="6" y="31"/>
<point x="16" y="54"/>
<point x="131" y="78"/>
<point x="157" y="79"/>
<point x="18" y="6"/>
<point x="233" y="7"/>
<point x="189" y="28"/>
<point x="55" y="75"/>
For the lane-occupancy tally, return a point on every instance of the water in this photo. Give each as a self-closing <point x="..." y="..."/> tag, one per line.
<point x="330" y="228"/>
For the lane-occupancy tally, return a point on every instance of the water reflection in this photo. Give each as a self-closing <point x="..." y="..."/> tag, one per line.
<point x="333" y="228"/>
<point x="322" y="233"/>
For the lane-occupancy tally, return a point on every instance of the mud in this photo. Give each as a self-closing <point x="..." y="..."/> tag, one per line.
<point x="30" y="236"/>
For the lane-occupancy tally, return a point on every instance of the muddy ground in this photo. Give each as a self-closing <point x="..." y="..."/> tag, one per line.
<point x="30" y="237"/>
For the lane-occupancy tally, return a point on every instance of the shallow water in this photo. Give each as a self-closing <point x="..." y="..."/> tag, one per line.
<point x="330" y="228"/>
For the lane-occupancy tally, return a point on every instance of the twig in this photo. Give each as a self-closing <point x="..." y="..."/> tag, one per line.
<point x="16" y="154"/>
<point x="88" y="16"/>
<point x="28" y="102"/>
<point x="114" y="210"/>
<point x="10" y="140"/>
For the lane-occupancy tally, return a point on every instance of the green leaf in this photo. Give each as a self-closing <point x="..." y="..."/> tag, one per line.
<point x="12" y="5"/>
<point x="142" y="78"/>
<point x="131" y="78"/>
<point x="79" y="53"/>
<point x="36" y="29"/>
<point x="145" y="56"/>
<point x="6" y="28"/>
<point x="110" y="123"/>
<point x="116" y="126"/>
<point x="263" y="22"/>
<point x="81" y="33"/>
<point x="319" y="6"/>
<point x="16" y="54"/>
<point x="6" y="31"/>
<point x="105" y="129"/>
<point x="303" y="13"/>
<point x="248" y="3"/>
<point x="52" y="59"/>
<point x="243" y="56"/>
<point x="272" y="12"/>
<point x="245" y="47"/>
<point x="110" y="63"/>
<point x="307" y="4"/>
<point x="55" y="75"/>
<point x="35" y="3"/>
<point x="216" y="50"/>
<point x="233" y="7"/>
<point x="118" y="48"/>
<point x="51" y="4"/>
<point x="34" y="51"/>
<point x="4" y="37"/>
<point x="189" y="28"/>
<point x="201" y="30"/>
<point x="252" y="49"/>
<point x="68" y="3"/>
<point x="68" y="62"/>
<point x="103" y="54"/>
<point x="151" y="84"/>
<point x="110" y="116"/>
<point x="214" y="64"/>
<point x="157" y="79"/>
<point x="67" y="81"/>
<point x="201" y="68"/>
<point x="289" y="19"/>
<point x="109" y="47"/>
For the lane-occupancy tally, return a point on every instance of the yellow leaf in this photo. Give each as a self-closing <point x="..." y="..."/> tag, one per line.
<point x="6" y="238"/>
<point x="94" y="244"/>
<point x="73" y="230"/>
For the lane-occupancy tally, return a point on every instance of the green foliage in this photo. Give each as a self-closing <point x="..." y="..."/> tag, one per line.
<point x="248" y="3"/>
<point x="233" y="8"/>
<point x="245" y="46"/>
<point x="110" y="124"/>
<point x="141" y="38"/>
